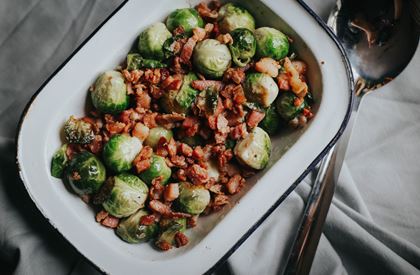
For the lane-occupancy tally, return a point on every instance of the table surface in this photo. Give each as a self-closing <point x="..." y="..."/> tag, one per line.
<point x="373" y="226"/>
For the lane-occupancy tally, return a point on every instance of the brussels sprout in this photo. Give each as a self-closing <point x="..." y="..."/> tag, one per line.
<point x="158" y="167"/>
<point x="59" y="162"/>
<point x="180" y="101"/>
<point x="169" y="45"/>
<point x="78" y="131"/>
<point x="136" y="62"/>
<point x="131" y="231"/>
<point x="193" y="199"/>
<point x="151" y="41"/>
<point x="285" y="106"/>
<point x="186" y="18"/>
<point x="155" y="134"/>
<point x="271" y="121"/>
<point x="254" y="150"/>
<point x="127" y="196"/>
<point x="232" y="17"/>
<point x="110" y="93"/>
<point x="271" y="43"/>
<point x="170" y="228"/>
<point x="85" y="173"/>
<point x="120" y="151"/>
<point x="260" y="88"/>
<point x="243" y="47"/>
<point x="211" y="58"/>
<point x="207" y="101"/>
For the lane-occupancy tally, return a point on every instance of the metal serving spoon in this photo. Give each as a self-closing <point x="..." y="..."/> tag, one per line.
<point x="380" y="38"/>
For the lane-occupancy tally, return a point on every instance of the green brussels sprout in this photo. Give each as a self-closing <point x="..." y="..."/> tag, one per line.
<point x="254" y="150"/>
<point x="158" y="167"/>
<point x="260" y="88"/>
<point x="180" y="101"/>
<point x="232" y="17"/>
<point x="211" y="58"/>
<point x="169" y="45"/>
<point x="85" y="173"/>
<point x="193" y="199"/>
<point x="151" y="41"/>
<point x="136" y="62"/>
<point x="130" y="230"/>
<point x="109" y="94"/>
<point x="271" y="121"/>
<point x="59" y="162"/>
<point x="120" y="151"/>
<point x="78" y="131"/>
<point x="271" y="43"/>
<point x="155" y="134"/>
<point x="170" y="228"/>
<point x="243" y="47"/>
<point x="285" y="106"/>
<point x="186" y="18"/>
<point x="206" y="101"/>
<point x="127" y="196"/>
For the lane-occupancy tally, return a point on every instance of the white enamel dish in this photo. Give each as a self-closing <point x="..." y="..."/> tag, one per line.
<point x="218" y="235"/>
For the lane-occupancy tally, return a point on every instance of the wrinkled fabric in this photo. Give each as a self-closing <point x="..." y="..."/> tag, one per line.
<point x="373" y="226"/>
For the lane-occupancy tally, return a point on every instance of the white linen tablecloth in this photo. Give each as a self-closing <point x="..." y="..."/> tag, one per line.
<point x="373" y="226"/>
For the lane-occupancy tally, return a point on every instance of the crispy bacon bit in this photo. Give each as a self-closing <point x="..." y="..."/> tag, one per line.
<point x="191" y="125"/>
<point x="307" y="113"/>
<point x="225" y="38"/>
<point x="172" y="83"/>
<point x="187" y="50"/>
<point x="143" y="101"/>
<point x="197" y="174"/>
<point x="283" y="82"/>
<point x="178" y="30"/>
<point x="180" y="239"/>
<point x="297" y="102"/>
<point x="237" y="75"/>
<point x="216" y="188"/>
<point x="300" y="66"/>
<point x="156" y="189"/>
<point x="176" y="66"/>
<point x="206" y="12"/>
<point x="171" y="192"/>
<point x="209" y="27"/>
<point x="149" y="120"/>
<point x="222" y="124"/>
<point x="101" y="215"/>
<point x="254" y="118"/>
<point x="192" y="222"/>
<point x="142" y="160"/>
<point x="202" y="85"/>
<point x="168" y="120"/>
<point x="299" y="87"/>
<point x="110" y="221"/>
<point x="165" y="210"/>
<point x="75" y="176"/>
<point x="96" y="145"/>
<point x="268" y="65"/>
<point x="147" y="220"/>
<point x="235" y="183"/>
<point x="140" y="131"/>
<point x="219" y="201"/>
<point x="198" y="153"/>
<point x="239" y="95"/>
<point x="163" y="245"/>
<point x="171" y="147"/>
<point x="115" y="127"/>
<point x="180" y="175"/>
<point x="185" y="149"/>
<point x="199" y="34"/>
<point x="178" y="161"/>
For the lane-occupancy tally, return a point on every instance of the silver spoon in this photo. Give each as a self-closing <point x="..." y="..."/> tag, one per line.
<point x="380" y="38"/>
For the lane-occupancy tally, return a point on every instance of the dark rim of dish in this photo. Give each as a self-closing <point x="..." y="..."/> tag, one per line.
<point x="278" y="202"/>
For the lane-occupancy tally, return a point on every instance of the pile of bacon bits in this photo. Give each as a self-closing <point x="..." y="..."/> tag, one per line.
<point x="228" y="122"/>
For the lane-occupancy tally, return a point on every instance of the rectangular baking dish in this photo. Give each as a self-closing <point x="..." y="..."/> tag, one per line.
<point x="294" y="154"/>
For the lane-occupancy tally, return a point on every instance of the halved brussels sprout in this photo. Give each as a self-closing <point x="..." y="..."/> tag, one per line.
<point x="254" y="150"/>
<point x="243" y="47"/>
<point x="59" y="162"/>
<point x="193" y="199"/>
<point x="78" y="131"/>
<point x="127" y="196"/>
<point x="271" y="121"/>
<point x="180" y="101"/>
<point x="170" y="228"/>
<point x="232" y="17"/>
<point x="151" y="41"/>
<point x="131" y="231"/>
<point x="271" y="43"/>
<point x="120" y="151"/>
<point x="136" y="62"/>
<point x="285" y="106"/>
<point x="158" y="167"/>
<point x="85" y="173"/>
<point x="109" y="94"/>
<point x="155" y="134"/>
<point x="187" y="18"/>
<point x="211" y="58"/>
<point x="260" y="88"/>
